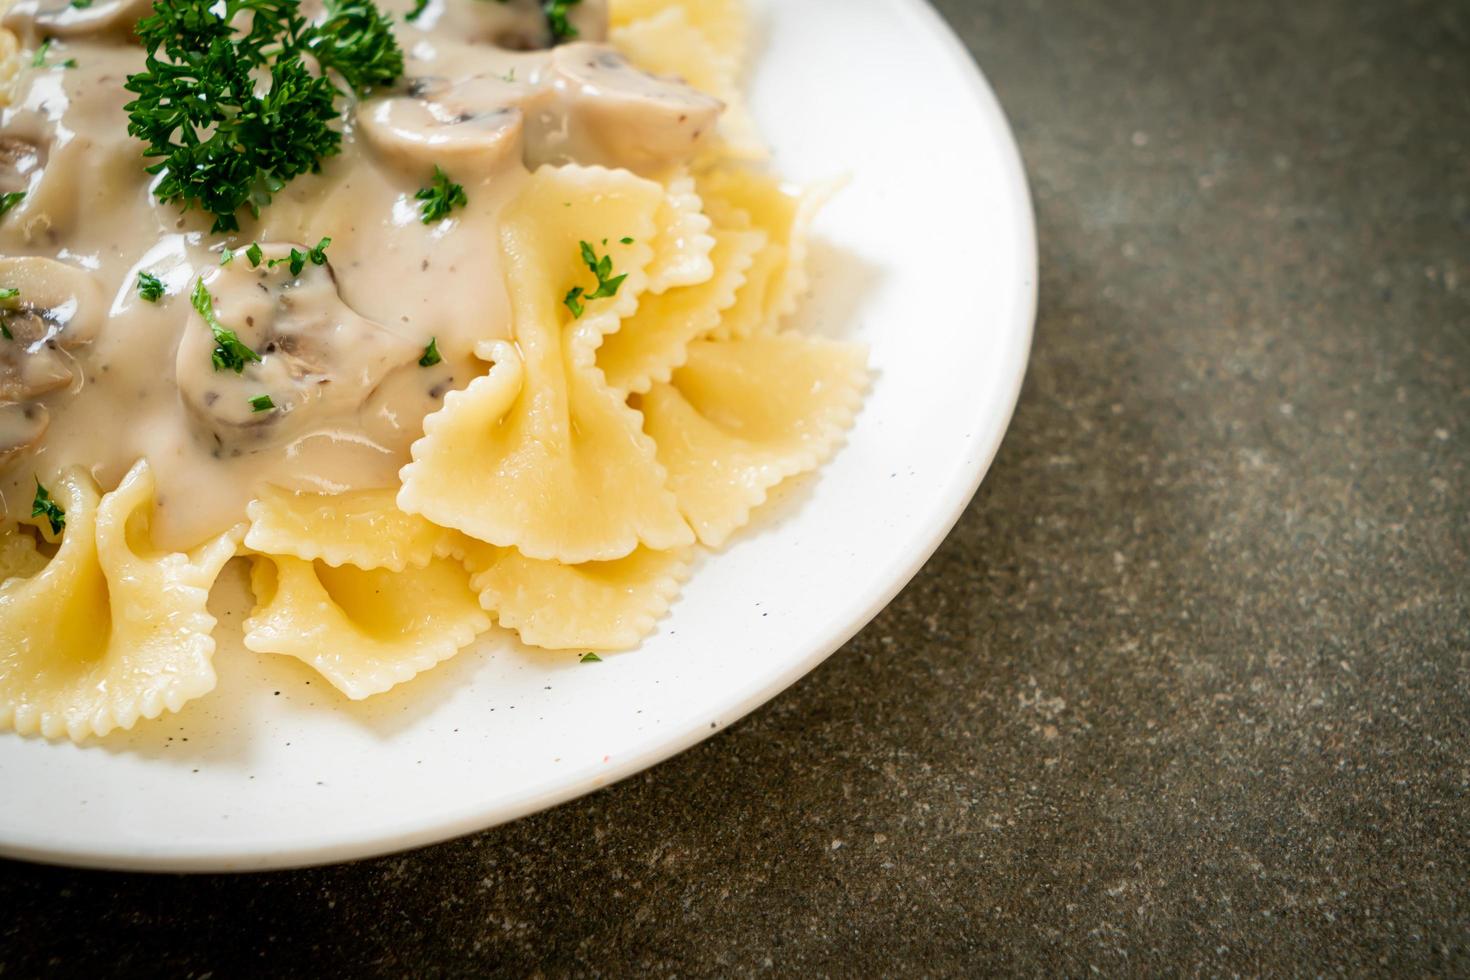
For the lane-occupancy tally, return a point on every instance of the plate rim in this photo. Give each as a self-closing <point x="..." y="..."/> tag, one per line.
<point x="1014" y="352"/>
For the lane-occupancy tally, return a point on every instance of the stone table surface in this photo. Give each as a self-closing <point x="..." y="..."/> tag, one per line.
<point x="1187" y="689"/>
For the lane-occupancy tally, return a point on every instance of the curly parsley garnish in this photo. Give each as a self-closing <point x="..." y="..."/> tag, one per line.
<point x="230" y="353"/>
<point x="356" y="40"/>
<point x="223" y="145"/>
<point x="431" y="354"/>
<point x="44" y="506"/>
<point x="607" y="283"/>
<point x="150" y="287"/>
<point x="440" y="197"/>
<point x="297" y="259"/>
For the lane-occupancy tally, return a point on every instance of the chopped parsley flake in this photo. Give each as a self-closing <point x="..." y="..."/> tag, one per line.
<point x="431" y="354"/>
<point x="229" y="354"/>
<point x="44" y="506"/>
<point x="150" y="287"/>
<point x="262" y="403"/>
<point x="297" y="259"/>
<point x="254" y="254"/>
<point x="10" y="200"/>
<point x="607" y="283"/>
<point x="441" y="197"/>
<point x="81" y="4"/>
<point x="626" y="241"/>
<point x="573" y="300"/>
<point x="227" y="256"/>
<point x="7" y="294"/>
<point x="38" y="60"/>
<point x="590" y="658"/>
<point x="556" y="12"/>
<point x="419" y="6"/>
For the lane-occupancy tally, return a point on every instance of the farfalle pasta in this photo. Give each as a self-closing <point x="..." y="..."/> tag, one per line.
<point x="493" y="370"/>
<point x="365" y="631"/>
<point x="109" y="630"/>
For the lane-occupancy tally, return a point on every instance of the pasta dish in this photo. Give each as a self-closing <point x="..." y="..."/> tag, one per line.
<point x="445" y="315"/>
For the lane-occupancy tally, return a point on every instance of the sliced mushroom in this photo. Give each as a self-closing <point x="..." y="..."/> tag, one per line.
<point x="617" y="114"/>
<point x="34" y="20"/>
<point x="52" y="152"/>
<point x="517" y="25"/>
<point x="319" y="360"/>
<point x="470" y="127"/>
<point x="22" y="424"/>
<point x="20" y="158"/>
<point x="58" y="307"/>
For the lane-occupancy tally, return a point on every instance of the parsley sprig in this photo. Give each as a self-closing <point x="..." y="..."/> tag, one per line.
<point x="43" y="506"/>
<point x="356" y="39"/>
<point x="232" y="115"/>
<point x="230" y="353"/>
<point x="607" y="283"/>
<point x="440" y="197"/>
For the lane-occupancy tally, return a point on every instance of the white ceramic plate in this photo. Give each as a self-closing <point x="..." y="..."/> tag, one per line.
<point x="928" y="256"/>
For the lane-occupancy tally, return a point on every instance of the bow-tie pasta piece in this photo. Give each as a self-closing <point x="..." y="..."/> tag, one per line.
<point x="722" y="23"/>
<point x="682" y="244"/>
<point x="363" y="630"/>
<point x="741" y="416"/>
<point x="540" y="454"/>
<point x="653" y="341"/>
<point x="108" y="631"/>
<point x="601" y="605"/>
<point x="668" y="43"/>
<point x="737" y="197"/>
<point x="361" y="527"/>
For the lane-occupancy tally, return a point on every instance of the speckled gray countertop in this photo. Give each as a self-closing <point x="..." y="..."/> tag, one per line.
<point x="1187" y="690"/>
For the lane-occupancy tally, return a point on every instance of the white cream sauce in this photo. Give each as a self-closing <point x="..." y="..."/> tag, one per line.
<point x="97" y="376"/>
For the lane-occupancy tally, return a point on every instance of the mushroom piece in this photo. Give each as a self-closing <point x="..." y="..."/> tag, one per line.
<point x="57" y="307"/>
<point x="20" y="158"/>
<point x="470" y="127"/>
<point x="22" y="424"/>
<point x="617" y="114"/>
<point x="516" y="25"/>
<point x="319" y="360"/>
<point x="35" y="20"/>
